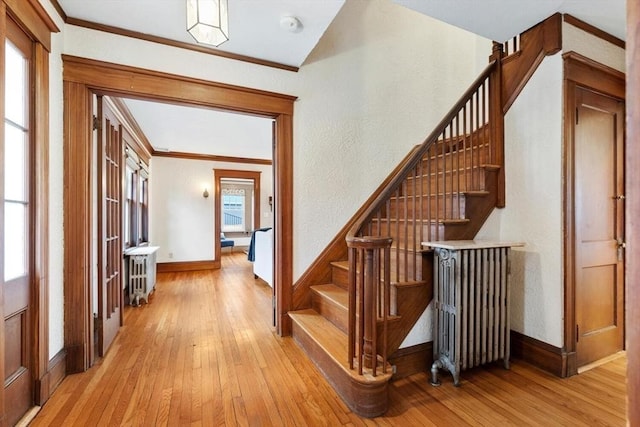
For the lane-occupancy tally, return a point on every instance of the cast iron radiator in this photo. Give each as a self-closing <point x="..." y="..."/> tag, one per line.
<point x="471" y="305"/>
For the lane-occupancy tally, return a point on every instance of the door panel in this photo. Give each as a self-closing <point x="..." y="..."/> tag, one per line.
<point x="599" y="220"/>
<point x="109" y="226"/>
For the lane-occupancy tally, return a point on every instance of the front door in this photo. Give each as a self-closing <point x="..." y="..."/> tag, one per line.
<point x="599" y="226"/>
<point x="18" y="260"/>
<point x="110" y="157"/>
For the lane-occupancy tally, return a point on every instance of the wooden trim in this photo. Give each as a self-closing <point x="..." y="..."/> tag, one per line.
<point x="40" y="289"/>
<point x="77" y="227"/>
<point x="545" y="356"/>
<point x="283" y="221"/>
<point x="81" y="77"/>
<point x="632" y="147"/>
<point x="412" y="360"/>
<point x="35" y="20"/>
<point x="593" y="75"/>
<point x="56" y="372"/>
<point x="59" y="9"/>
<point x="142" y="145"/>
<point x="175" y="43"/>
<point x="126" y="81"/>
<point x="579" y="71"/>
<point x="542" y="40"/>
<point x="218" y="175"/>
<point x="595" y="31"/>
<point x="211" y="157"/>
<point x="174" y="267"/>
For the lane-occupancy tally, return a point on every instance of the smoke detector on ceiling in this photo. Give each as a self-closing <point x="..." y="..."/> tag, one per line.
<point x="291" y="24"/>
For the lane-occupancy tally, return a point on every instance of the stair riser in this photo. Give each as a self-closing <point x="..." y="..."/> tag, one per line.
<point x="335" y="313"/>
<point x="364" y="399"/>
<point x="340" y="277"/>
<point x="436" y="162"/>
<point x="447" y="207"/>
<point x="470" y="180"/>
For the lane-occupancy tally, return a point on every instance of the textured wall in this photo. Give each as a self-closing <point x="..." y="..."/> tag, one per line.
<point x="533" y="152"/>
<point x="574" y="39"/>
<point x="181" y="220"/>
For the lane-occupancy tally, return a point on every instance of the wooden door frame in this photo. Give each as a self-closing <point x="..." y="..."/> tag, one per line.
<point x="579" y="71"/>
<point x="218" y="175"/>
<point x="83" y="76"/>
<point x="632" y="147"/>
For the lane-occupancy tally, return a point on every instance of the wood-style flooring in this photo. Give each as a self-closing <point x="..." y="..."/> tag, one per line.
<point x="203" y="353"/>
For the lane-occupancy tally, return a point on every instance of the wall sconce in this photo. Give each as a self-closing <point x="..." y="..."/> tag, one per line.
<point x="205" y="193"/>
<point x="271" y="203"/>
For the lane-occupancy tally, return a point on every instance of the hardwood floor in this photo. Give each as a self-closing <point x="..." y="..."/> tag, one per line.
<point x="203" y="352"/>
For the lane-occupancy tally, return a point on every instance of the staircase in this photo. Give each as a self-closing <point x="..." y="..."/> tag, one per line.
<point x="361" y="308"/>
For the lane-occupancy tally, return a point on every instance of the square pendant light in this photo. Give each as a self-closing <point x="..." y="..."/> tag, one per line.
<point x="208" y="21"/>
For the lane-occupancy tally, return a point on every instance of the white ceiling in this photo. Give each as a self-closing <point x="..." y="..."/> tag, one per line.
<point x="197" y="130"/>
<point x="500" y="20"/>
<point x="254" y="27"/>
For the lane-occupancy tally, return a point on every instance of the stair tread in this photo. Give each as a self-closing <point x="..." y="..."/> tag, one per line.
<point x="334" y="293"/>
<point x="344" y="265"/>
<point x="333" y="341"/>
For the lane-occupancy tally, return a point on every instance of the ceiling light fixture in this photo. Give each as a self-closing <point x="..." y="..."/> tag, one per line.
<point x="208" y="21"/>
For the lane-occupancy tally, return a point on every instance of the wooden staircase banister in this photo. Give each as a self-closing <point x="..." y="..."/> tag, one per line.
<point x="416" y="155"/>
<point x="352" y="316"/>
<point x="370" y="255"/>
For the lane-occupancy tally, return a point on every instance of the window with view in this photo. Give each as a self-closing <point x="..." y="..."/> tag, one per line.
<point x="233" y="209"/>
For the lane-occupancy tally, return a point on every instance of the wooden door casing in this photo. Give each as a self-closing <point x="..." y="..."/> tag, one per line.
<point x="599" y="225"/>
<point x="110" y="155"/>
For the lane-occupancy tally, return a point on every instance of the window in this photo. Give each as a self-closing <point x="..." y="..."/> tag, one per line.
<point x="16" y="164"/>
<point x="233" y="209"/>
<point x="136" y="206"/>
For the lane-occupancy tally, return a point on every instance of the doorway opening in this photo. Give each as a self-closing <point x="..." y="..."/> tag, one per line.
<point x="81" y="78"/>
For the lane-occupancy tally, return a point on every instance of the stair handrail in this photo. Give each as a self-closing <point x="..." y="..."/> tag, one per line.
<point x="369" y="255"/>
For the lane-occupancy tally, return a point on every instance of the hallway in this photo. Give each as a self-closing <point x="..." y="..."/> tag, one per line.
<point x="203" y="352"/>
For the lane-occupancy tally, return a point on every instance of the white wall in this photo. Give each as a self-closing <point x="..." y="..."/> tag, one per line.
<point x="574" y="39"/>
<point x="181" y="219"/>
<point x="56" y="170"/>
<point x="533" y="153"/>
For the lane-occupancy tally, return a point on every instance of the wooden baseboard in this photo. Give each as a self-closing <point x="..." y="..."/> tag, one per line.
<point x="412" y="360"/>
<point x="174" y="267"/>
<point x="545" y="356"/>
<point x="56" y="372"/>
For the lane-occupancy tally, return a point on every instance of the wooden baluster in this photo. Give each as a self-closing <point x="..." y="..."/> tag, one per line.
<point x="483" y="146"/>
<point x="478" y="141"/>
<point x="429" y="192"/>
<point x="397" y="248"/>
<point x="361" y="305"/>
<point x="472" y="138"/>
<point x="458" y="156"/>
<point x="416" y="206"/>
<point x="387" y="308"/>
<point x="421" y="217"/>
<point x="353" y="262"/>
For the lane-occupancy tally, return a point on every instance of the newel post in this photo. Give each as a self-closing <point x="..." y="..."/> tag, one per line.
<point x="369" y="282"/>
<point x="496" y="120"/>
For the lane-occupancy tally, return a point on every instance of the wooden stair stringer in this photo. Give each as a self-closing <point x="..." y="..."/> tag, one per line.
<point x="326" y="346"/>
